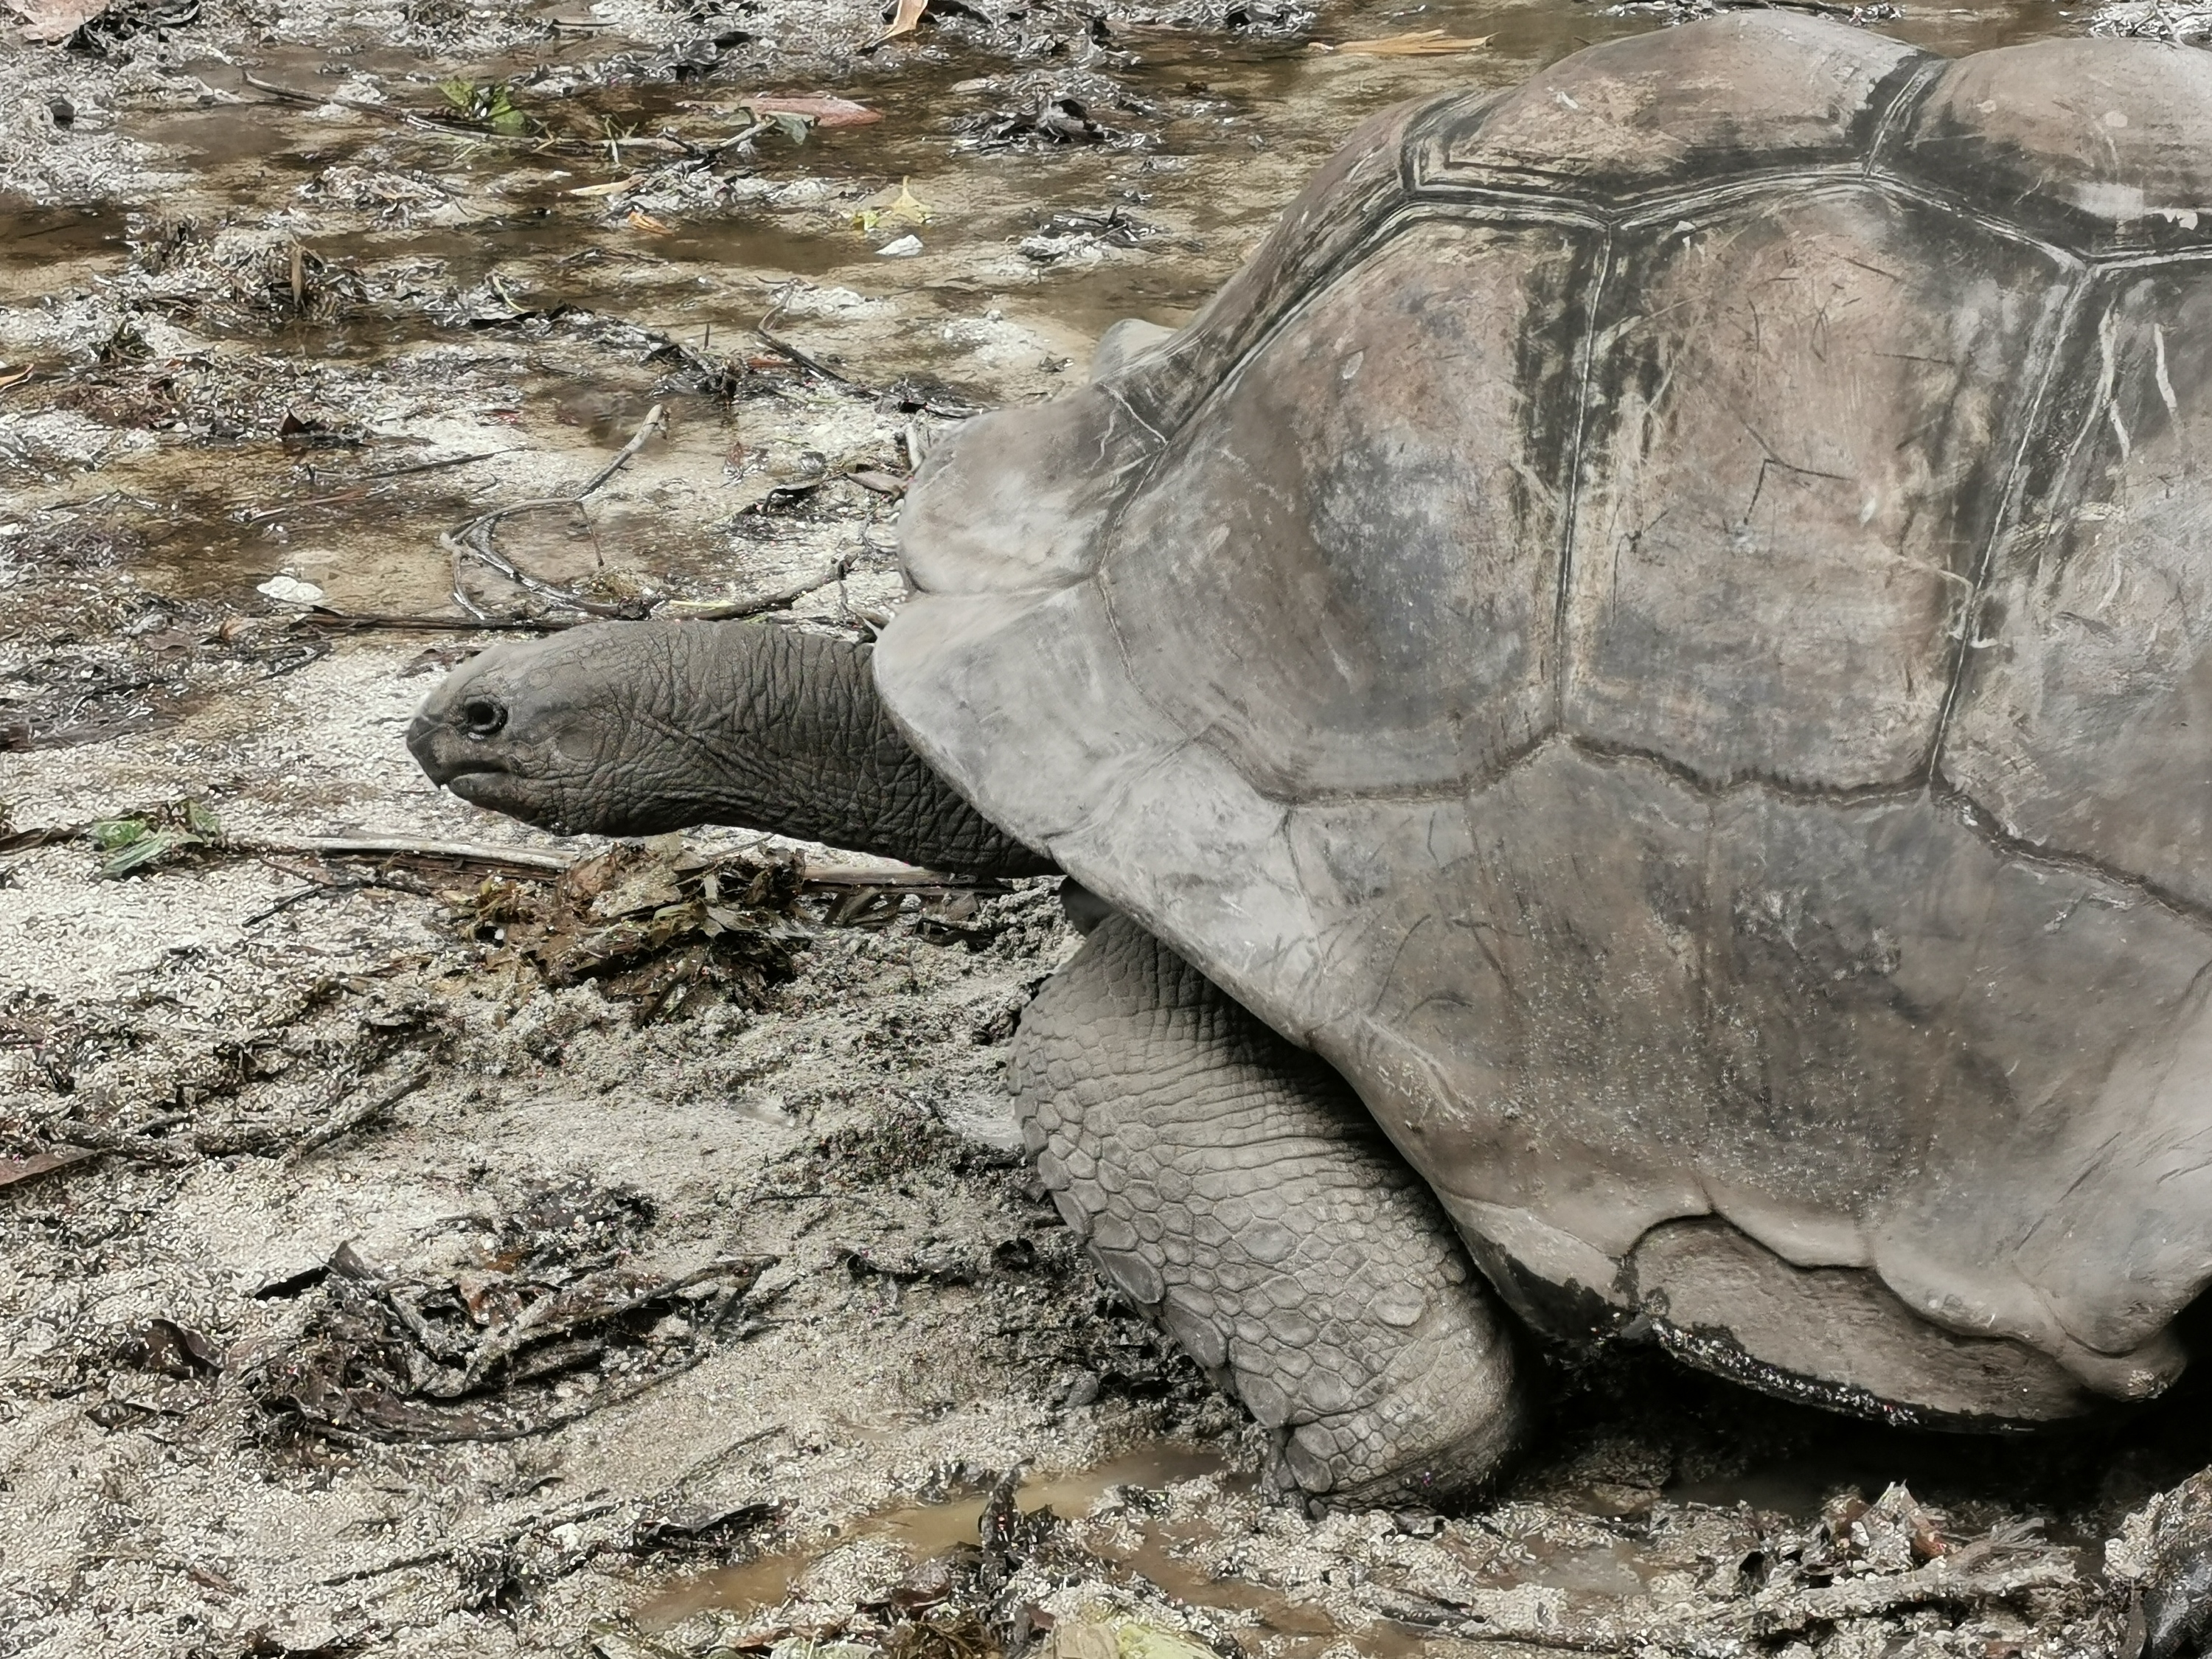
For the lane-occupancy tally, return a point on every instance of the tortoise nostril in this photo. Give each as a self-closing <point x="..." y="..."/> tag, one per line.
<point x="481" y="717"/>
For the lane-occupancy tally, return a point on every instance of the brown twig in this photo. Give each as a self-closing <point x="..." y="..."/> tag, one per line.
<point x="804" y="359"/>
<point x="350" y="622"/>
<point x="313" y="889"/>
<point x="505" y="859"/>
<point x="516" y="862"/>
<point x="441" y="463"/>
<point x="361" y="1116"/>
<point x="263" y="515"/>
<point x="473" y="538"/>
<point x="366" y="484"/>
<point x="446" y="1553"/>
<point x="755" y="604"/>
<point x="18" y="840"/>
<point x="15" y="1169"/>
<point x="737" y="139"/>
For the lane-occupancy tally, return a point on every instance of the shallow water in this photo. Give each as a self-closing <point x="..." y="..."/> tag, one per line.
<point x="924" y="1530"/>
<point x="1165" y="1543"/>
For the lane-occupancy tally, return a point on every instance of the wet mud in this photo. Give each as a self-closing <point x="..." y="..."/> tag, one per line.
<point x="420" y="1234"/>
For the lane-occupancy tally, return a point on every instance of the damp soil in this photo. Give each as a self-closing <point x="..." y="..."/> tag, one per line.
<point x="389" y="1262"/>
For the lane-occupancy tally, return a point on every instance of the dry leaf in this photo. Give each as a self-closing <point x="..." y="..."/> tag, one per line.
<point x="820" y="108"/>
<point x="13" y="1170"/>
<point x="908" y="206"/>
<point x="612" y="187"/>
<point x="639" y="219"/>
<point x="47" y="21"/>
<point x="1420" y="43"/>
<point x="907" y="20"/>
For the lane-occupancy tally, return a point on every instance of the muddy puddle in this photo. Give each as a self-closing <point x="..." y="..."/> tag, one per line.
<point x="1175" y="1527"/>
<point x="922" y="1532"/>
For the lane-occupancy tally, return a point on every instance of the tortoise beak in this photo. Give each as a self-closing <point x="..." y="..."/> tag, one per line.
<point x="440" y="750"/>
<point x="480" y="775"/>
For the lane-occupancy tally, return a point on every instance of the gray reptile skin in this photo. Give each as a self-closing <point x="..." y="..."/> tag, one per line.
<point x="631" y="728"/>
<point x="1236" y="1190"/>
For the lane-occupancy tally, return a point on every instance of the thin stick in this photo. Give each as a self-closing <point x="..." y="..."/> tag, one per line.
<point x="554" y="1518"/>
<point x="517" y="861"/>
<point x="753" y="605"/>
<point x="737" y="139"/>
<point x="322" y="616"/>
<point x="361" y="1116"/>
<point x="364" y="484"/>
<point x="356" y="846"/>
<point x="645" y="430"/>
<point x="446" y="461"/>
<point x="263" y="515"/>
<point x="473" y="538"/>
<point x="313" y="889"/>
<point x="804" y="360"/>
<point x="21" y="840"/>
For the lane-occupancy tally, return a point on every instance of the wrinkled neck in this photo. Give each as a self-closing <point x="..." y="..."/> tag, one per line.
<point x="784" y="731"/>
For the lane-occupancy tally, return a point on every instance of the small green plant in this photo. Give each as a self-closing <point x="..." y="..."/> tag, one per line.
<point x="132" y="844"/>
<point x="490" y="106"/>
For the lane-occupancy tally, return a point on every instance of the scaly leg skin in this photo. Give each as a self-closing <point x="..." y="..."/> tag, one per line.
<point x="2177" y="1605"/>
<point x="1233" y="1186"/>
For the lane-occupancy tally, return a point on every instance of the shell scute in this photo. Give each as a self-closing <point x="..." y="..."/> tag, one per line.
<point x="2098" y="152"/>
<point x="1802" y="422"/>
<point x="1617" y="122"/>
<point x="1345" y="572"/>
<point x="2085" y="720"/>
<point x="1355" y="190"/>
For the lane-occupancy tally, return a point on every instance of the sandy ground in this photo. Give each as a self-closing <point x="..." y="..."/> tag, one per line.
<point x="365" y="1292"/>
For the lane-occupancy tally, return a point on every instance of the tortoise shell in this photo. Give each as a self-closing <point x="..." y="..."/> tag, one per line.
<point x="1661" y="624"/>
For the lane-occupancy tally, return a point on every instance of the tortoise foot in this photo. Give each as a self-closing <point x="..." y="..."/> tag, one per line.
<point x="1235" y="1189"/>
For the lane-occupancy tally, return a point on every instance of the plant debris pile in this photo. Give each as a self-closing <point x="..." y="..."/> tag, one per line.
<point x="552" y="1321"/>
<point x="650" y="923"/>
<point x="1044" y="108"/>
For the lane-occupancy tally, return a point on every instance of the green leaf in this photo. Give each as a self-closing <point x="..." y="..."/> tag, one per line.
<point x="460" y="94"/>
<point x="109" y="833"/>
<point x="145" y="849"/>
<point x="200" y="821"/>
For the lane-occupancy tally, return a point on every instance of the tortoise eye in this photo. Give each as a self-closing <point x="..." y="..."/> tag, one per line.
<point x="481" y="717"/>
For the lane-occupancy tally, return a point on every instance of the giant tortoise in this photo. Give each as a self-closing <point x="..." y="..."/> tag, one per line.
<point x="1654" y="645"/>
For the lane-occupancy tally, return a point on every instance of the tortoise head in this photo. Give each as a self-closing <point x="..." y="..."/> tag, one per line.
<point x="595" y="729"/>
<point x="632" y="728"/>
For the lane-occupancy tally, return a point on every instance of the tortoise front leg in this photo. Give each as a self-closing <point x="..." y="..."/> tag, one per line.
<point x="1236" y="1188"/>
